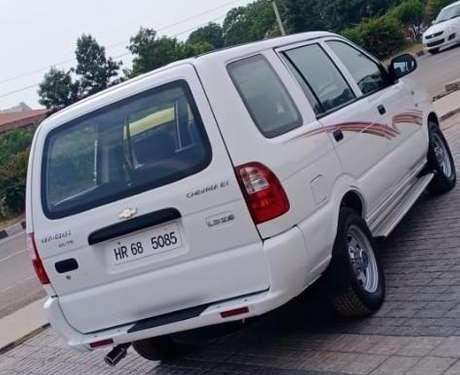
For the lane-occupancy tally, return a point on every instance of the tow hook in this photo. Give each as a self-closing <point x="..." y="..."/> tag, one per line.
<point x="117" y="354"/>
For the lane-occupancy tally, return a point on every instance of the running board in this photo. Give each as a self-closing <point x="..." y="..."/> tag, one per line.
<point x="386" y="226"/>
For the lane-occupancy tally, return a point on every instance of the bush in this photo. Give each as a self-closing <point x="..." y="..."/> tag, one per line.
<point x="13" y="179"/>
<point x="411" y="14"/>
<point x="382" y="36"/>
<point x="14" y="153"/>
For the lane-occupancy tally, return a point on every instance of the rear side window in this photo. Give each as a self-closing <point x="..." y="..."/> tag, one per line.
<point x="321" y="76"/>
<point x="265" y="96"/>
<point x="143" y="142"/>
<point x="365" y="71"/>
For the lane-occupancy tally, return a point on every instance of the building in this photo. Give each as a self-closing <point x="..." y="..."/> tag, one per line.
<point x="21" y="119"/>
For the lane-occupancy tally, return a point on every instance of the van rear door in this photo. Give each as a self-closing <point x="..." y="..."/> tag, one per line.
<point x="137" y="211"/>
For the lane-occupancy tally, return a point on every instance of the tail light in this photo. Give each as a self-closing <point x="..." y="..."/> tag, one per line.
<point x="36" y="261"/>
<point x="265" y="197"/>
<point x="98" y="344"/>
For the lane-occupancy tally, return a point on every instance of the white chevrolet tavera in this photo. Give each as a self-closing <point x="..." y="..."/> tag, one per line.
<point x="220" y="187"/>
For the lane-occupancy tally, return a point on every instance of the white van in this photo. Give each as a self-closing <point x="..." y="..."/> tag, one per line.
<point x="219" y="188"/>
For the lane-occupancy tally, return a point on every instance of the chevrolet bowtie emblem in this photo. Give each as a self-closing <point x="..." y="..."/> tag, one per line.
<point x="127" y="213"/>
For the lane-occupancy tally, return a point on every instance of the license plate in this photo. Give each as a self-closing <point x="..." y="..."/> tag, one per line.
<point x="156" y="241"/>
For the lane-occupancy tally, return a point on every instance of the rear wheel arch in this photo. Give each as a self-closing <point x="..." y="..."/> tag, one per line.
<point x="354" y="201"/>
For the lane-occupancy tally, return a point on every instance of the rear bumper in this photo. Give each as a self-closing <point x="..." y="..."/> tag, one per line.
<point x="288" y="260"/>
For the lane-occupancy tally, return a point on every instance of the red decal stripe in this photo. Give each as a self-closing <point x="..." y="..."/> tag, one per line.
<point x="376" y="129"/>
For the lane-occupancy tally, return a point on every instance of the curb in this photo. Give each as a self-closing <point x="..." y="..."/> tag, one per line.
<point x="450" y="114"/>
<point x="12" y="230"/>
<point x="23" y="339"/>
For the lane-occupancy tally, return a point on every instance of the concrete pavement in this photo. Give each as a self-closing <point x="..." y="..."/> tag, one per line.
<point x="21" y="324"/>
<point x="435" y="71"/>
<point x="448" y="106"/>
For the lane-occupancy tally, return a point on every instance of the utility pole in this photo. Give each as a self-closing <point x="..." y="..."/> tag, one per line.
<point x="278" y="18"/>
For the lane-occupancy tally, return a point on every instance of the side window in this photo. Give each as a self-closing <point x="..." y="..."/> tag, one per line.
<point x="365" y="72"/>
<point x="73" y="163"/>
<point x="321" y="76"/>
<point x="265" y="96"/>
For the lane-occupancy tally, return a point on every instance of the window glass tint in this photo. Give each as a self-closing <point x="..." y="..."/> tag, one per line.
<point x="365" y="72"/>
<point x="265" y="97"/>
<point x="306" y="89"/>
<point x="318" y="71"/>
<point x="448" y="13"/>
<point x="144" y="142"/>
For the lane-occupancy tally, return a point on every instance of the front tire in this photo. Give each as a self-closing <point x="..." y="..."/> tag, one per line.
<point x="355" y="276"/>
<point x="440" y="161"/>
<point x="434" y="51"/>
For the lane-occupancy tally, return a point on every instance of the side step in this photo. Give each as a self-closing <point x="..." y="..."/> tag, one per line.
<point x="390" y="221"/>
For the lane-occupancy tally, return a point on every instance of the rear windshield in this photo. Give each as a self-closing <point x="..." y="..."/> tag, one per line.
<point x="146" y="141"/>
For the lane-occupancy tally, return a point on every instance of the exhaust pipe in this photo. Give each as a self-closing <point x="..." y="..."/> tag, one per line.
<point x="117" y="354"/>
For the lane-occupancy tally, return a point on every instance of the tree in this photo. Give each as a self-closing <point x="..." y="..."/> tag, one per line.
<point x="250" y="23"/>
<point x="94" y="68"/>
<point x="94" y="72"/>
<point x="341" y="14"/>
<point x="303" y="15"/>
<point x="151" y="52"/>
<point x="382" y="36"/>
<point x="194" y="49"/>
<point x="411" y="14"/>
<point x="212" y="34"/>
<point x="58" y="89"/>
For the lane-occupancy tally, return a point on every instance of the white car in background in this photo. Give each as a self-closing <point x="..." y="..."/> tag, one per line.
<point x="445" y="30"/>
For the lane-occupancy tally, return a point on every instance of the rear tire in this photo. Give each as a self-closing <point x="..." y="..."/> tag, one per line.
<point x="355" y="277"/>
<point x="434" y="51"/>
<point x="158" y="348"/>
<point x="440" y="161"/>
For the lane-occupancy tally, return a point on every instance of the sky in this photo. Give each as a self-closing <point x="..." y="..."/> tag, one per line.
<point x="35" y="35"/>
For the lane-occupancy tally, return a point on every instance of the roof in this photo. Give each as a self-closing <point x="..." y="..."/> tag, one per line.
<point x="13" y="120"/>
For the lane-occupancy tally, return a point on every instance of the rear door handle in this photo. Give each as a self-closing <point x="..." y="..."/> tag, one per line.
<point x="338" y="135"/>
<point x="382" y="109"/>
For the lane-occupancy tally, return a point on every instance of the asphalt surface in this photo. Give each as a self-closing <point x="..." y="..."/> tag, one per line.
<point x="18" y="285"/>
<point x="434" y="71"/>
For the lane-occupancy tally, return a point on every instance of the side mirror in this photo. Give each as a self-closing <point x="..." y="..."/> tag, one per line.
<point x="402" y="66"/>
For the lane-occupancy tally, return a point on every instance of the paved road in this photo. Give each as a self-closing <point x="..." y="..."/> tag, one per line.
<point x="435" y="71"/>
<point x="18" y="284"/>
